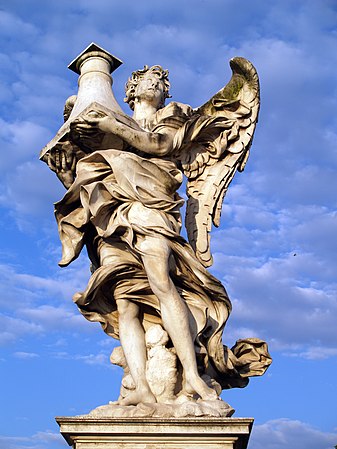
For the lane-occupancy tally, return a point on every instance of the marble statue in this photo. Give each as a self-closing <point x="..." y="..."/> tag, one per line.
<point x="150" y="288"/>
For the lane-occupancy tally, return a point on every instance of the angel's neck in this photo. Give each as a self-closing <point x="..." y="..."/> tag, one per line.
<point x="143" y="111"/>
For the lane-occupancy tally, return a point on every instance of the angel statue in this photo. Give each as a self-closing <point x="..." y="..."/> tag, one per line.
<point x="123" y="204"/>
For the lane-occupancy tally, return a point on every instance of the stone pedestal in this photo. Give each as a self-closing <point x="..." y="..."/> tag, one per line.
<point x="87" y="432"/>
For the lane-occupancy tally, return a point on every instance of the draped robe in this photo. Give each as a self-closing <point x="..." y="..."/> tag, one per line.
<point x="117" y="199"/>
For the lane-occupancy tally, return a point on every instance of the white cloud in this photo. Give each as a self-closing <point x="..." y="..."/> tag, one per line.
<point x="53" y="318"/>
<point x="40" y="305"/>
<point x="285" y="433"/>
<point x="10" y="22"/>
<point x="89" y="359"/>
<point x="94" y="359"/>
<point x="21" y="141"/>
<point x="25" y="355"/>
<point x="39" y="440"/>
<point x="29" y="193"/>
<point x="13" y="328"/>
<point x="279" y="267"/>
<point x="314" y="353"/>
<point x="288" y="299"/>
<point x="19" y="290"/>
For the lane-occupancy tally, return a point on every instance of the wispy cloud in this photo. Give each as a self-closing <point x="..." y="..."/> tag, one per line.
<point x="13" y="328"/>
<point x="25" y="355"/>
<point x="36" y="305"/>
<point x="285" y="433"/>
<point x="40" y="440"/>
<point x="89" y="359"/>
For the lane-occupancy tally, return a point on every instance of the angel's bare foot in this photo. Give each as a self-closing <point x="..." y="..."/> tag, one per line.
<point x="197" y="385"/>
<point x="143" y="395"/>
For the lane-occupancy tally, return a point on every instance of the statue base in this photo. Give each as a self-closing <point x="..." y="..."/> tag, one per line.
<point x="88" y="432"/>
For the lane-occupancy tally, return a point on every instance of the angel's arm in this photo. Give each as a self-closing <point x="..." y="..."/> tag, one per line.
<point x="155" y="143"/>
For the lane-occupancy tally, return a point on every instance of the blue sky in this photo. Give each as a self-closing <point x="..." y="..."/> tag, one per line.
<point x="275" y="250"/>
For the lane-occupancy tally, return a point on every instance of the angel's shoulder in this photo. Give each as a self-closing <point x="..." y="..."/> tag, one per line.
<point x="179" y="108"/>
<point x="174" y="114"/>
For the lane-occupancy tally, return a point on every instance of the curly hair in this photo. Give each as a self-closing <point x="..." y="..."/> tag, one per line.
<point x="136" y="76"/>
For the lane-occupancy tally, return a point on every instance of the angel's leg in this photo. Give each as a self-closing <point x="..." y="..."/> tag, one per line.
<point x="131" y="331"/>
<point x="133" y="343"/>
<point x="174" y="313"/>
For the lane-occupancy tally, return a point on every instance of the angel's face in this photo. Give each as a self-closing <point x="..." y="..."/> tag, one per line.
<point x="151" y="89"/>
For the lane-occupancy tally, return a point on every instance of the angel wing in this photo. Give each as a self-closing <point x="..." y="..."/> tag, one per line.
<point x="214" y="144"/>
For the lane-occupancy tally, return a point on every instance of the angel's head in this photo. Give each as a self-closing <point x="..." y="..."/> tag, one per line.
<point x="150" y="84"/>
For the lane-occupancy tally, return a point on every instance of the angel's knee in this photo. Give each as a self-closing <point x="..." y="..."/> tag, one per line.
<point x="127" y="310"/>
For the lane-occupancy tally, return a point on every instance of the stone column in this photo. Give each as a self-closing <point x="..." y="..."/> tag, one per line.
<point x="94" y="65"/>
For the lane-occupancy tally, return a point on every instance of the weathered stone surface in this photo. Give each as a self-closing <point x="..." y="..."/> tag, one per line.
<point x="161" y="365"/>
<point x="122" y="176"/>
<point x="178" y="408"/>
<point x="87" y="432"/>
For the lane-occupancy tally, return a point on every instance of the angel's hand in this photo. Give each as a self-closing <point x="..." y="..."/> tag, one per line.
<point x="63" y="163"/>
<point x="90" y="124"/>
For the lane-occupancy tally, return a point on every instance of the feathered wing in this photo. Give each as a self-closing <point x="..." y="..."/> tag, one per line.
<point x="214" y="144"/>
